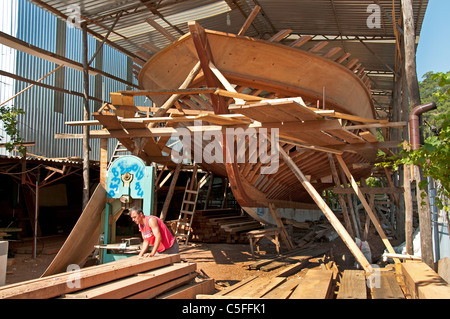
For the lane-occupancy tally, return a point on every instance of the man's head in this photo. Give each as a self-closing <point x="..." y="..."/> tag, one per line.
<point x="137" y="215"/>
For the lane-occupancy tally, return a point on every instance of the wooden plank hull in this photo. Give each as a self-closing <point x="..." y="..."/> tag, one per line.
<point x="261" y="65"/>
<point x="269" y="70"/>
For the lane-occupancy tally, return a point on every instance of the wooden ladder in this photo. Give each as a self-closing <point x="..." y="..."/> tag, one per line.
<point x="188" y="205"/>
<point x="116" y="154"/>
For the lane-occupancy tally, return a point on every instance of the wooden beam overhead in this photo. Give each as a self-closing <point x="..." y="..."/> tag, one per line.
<point x="249" y="20"/>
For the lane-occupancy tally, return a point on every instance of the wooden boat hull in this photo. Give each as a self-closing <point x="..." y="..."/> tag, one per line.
<point x="277" y="71"/>
<point x="261" y="65"/>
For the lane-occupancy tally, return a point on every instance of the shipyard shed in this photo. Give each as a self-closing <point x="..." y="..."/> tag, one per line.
<point x="111" y="87"/>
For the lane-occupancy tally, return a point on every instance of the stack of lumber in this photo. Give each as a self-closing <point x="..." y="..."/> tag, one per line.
<point x="423" y="282"/>
<point x="316" y="284"/>
<point x="222" y="225"/>
<point x="133" y="277"/>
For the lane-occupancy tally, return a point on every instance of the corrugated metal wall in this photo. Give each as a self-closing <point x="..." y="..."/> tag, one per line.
<point x="47" y="110"/>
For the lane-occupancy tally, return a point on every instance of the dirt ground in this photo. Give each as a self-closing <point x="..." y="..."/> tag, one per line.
<point x="226" y="263"/>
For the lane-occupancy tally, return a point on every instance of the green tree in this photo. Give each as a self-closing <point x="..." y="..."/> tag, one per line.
<point x="435" y="87"/>
<point x="434" y="155"/>
<point x="8" y="115"/>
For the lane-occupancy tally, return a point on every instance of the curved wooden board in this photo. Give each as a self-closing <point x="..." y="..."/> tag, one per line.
<point x="83" y="237"/>
<point x="262" y="64"/>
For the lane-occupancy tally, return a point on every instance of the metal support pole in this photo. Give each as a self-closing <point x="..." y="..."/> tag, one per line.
<point x="36" y="214"/>
<point x="85" y="117"/>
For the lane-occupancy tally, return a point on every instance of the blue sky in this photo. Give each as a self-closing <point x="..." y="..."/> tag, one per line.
<point x="433" y="52"/>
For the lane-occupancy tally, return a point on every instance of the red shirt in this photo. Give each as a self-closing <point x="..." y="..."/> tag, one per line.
<point x="167" y="238"/>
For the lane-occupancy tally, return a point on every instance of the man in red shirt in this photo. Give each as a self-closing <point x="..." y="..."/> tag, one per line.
<point x="155" y="233"/>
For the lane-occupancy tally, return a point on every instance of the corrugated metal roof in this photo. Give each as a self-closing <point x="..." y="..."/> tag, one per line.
<point x="338" y="21"/>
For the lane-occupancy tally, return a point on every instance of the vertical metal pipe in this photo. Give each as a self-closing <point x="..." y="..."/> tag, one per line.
<point x="86" y="117"/>
<point x="426" y="241"/>
<point x="36" y="214"/>
<point x="414" y="125"/>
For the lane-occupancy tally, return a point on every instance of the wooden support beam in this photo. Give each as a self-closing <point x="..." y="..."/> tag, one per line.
<point x="205" y="57"/>
<point x="103" y="161"/>
<point x="337" y="182"/>
<point x="332" y="52"/>
<point x="249" y="20"/>
<point x="334" y="221"/>
<point x="301" y="41"/>
<point x="284" y="234"/>
<point x="170" y="192"/>
<point x="316" y="48"/>
<point x="408" y="209"/>
<point x="373" y="217"/>
<point x="160" y="29"/>
<point x="280" y="35"/>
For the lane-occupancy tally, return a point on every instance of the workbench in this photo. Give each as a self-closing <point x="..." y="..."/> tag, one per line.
<point x="271" y="234"/>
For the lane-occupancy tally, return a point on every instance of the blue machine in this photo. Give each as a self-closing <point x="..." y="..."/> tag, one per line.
<point x="128" y="180"/>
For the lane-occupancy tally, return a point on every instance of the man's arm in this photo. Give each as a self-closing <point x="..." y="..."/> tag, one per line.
<point x="144" y="248"/>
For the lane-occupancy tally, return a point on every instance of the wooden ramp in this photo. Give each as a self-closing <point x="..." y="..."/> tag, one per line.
<point x="83" y="236"/>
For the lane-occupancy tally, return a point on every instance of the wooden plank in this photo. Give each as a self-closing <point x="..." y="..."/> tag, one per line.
<point x="84" y="235"/>
<point x="340" y="229"/>
<point x="423" y="282"/>
<point x="249" y="20"/>
<point x="332" y="52"/>
<point x="278" y="110"/>
<point x="284" y="290"/>
<point x="301" y="41"/>
<point x="315" y="285"/>
<point x="119" y="289"/>
<point x="273" y="283"/>
<point x="161" y="29"/>
<point x="160" y="289"/>
<point x="444" y="268"/>
<point x="316" y="48"/>
<point x="370" y="213"/>
<point x="280" y="35"/>
<point x="64" y="283"/>
<point x="168" y="92"/>
<point x="229" y="290"/>
<point x="250" y="289"/>
<point x="293" y="269"/>
<point x="169" y="195"/>
<point x="353" y="285"/>
<point x="346" y="136"/>
<point x="369" y="137"/>
<point x="273" y="265"/>
<point x="388" y="288"/>
<point x="191" y="290"/>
